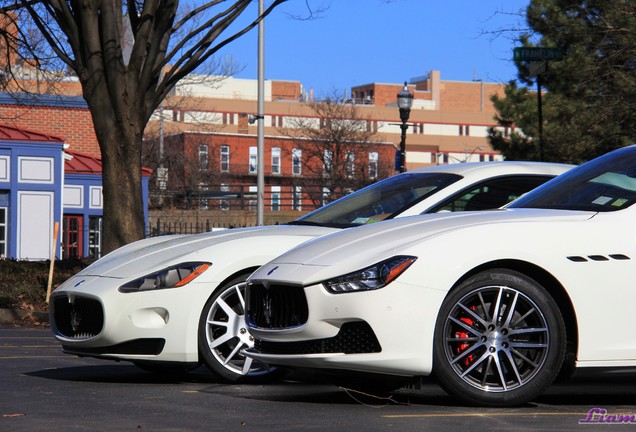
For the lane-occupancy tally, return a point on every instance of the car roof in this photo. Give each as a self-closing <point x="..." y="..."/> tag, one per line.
<point x="495" y="168"/>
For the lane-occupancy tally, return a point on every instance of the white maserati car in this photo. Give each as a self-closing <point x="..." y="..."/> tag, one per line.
<point x="493" y="303"/>
<point x="173" y="302"/>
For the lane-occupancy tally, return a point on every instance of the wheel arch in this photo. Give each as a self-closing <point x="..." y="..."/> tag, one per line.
<point x="246" y="271"/>
<point x="554" y="288"/>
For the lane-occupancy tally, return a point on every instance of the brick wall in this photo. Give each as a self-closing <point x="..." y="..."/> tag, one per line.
<point x="285" y="90"/>
<point x="74" y="125"/>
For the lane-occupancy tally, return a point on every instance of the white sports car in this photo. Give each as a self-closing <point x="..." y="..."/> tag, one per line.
<point x="493" y="303"/>
<point x="177" y="301"/>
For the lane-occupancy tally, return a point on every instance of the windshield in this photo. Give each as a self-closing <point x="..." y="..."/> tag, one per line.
<point x="381" y="200"/>
<point x="605" y="184"/>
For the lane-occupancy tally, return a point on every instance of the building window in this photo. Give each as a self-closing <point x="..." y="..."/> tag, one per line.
<point x="350" y="164"/>
<point x="3" y="231"/>
<point x="275" y="198"/>
<point x="95" y="236"/>
<point x="224" y="204"/>
<point x="252" y="202"/>
<point x="203" y="192"/>
<point x="297" y="155"/>
<point x="326" y="196"/>
<point x="297" y="198"/>
<point x="253" y="160"/>
<point x="225" y="158"/>
<point x="327" y="162"/>
<point x="373" y="165"/>
<point x="275" y="160"/>
<point x="203" y="157"/>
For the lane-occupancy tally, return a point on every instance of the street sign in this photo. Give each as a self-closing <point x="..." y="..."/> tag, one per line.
<point x="537" y="54"/>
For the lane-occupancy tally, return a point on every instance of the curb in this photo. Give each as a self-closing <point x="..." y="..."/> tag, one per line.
<point x="12" y="315"/>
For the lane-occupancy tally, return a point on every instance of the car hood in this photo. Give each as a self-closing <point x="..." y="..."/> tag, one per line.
<point x="353" y="249"/>
<point x="152" y="253"/>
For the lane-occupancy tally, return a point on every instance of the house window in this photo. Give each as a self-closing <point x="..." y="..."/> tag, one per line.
<point x="373" y="165"/>
<point x="297" y="198"/>
<point x="95" y="236"/>
<point x="203" y="192"/>
<point x="350" y="164"/>
<point x="253" y="160"/>
<point x="225" y="158"/>
<point x="72" y="236"/>
<point x="3" y="231"/>
<point x="275" y="198"/>
<point x="252" y="202"/>
<point x="297" y="155"/>
<point x="203" y="157"/>
<point x="275" y="160"/>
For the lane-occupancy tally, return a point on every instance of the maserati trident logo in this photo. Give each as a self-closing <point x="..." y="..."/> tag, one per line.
<point x="76" y="319"/>
<point x="267" y="309"/>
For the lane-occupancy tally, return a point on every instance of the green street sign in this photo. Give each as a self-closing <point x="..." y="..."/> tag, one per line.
<point x="537" y="54"/>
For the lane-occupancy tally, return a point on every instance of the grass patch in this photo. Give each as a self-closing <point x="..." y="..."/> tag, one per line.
<point x="23" y="283"/>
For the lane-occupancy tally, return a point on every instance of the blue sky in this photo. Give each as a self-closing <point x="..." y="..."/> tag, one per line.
<point x="362" y="41"/>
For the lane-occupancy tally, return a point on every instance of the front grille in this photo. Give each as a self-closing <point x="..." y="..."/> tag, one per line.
<point x="276" y="307"/>
<point x="81" y="319"/>
<point x="353" y="338"/>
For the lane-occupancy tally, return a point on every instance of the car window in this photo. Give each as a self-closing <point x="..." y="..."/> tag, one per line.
<point x="491" y="194"/>
<point x="381" y="200"/>
<point x="605" y="184"/>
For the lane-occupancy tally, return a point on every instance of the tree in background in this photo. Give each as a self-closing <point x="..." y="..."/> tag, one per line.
<point x="590" y="101"/>
<point x="334" y="147"/>
<point x="127" y="55"/>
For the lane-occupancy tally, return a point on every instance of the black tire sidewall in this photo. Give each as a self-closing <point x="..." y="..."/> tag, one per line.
<point x="468" y="394"/>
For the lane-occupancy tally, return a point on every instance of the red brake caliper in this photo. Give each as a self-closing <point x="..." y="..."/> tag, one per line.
<point x="460" y="334"/>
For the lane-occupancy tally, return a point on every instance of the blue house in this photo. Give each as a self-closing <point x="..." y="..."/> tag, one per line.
<point x="44" y="186"/>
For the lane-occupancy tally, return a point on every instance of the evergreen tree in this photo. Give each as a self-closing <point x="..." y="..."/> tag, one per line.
<point x="589" y="104"/>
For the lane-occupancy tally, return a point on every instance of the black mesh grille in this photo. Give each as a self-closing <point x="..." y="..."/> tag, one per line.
<point x="353" y="338"/>
<point x="82" y="319"/>
<point x="276" y="307"/>
<point x="136" y="346"/>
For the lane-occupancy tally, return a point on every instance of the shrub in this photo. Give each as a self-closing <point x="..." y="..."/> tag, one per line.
<point x="23" y="284"/>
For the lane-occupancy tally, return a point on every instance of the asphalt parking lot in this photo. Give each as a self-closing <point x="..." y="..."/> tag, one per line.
<point x="44" y="389"/>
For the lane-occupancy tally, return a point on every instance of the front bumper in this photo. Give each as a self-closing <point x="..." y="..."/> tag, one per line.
<point x="90" y="317"/>
<point x="388" y="331"/>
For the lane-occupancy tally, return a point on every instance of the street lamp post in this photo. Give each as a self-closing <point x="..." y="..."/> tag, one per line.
<point x="404" y="102"/>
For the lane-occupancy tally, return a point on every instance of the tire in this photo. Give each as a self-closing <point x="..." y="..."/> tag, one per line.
<point x="499" y="340"/>
<point x="223" y="334"/>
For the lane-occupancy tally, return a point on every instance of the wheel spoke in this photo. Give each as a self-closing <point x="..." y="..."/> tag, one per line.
<point x="240" y="296"/>
<point x="234" y="352"/>
<point x="247" y="365"/>
<point x="221" y="340"/>
<point x="219" y="323"/>
<point x="483" y="306"/>
<point x="227" y="308"/>
<point x="528" y="344"/>
<point x="528" y="330"/>
<point x="474" y="315"/>
<point x="511" y="310"/>
<point x="465" y="326"/>
<point x="484" y="380"/>
<point x="477" y="362"/>
<point x="466" y="352"/>
<point x="513" y="366"/>
<point x="500" y="372"/>
<point x="524" y="358"/>
<point x="523" y="317"/>
<point x="496" y="311"/>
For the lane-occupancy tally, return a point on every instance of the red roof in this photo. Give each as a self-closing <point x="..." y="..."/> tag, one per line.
<point x="10" y="133"/>
<point x="85" y="164"/>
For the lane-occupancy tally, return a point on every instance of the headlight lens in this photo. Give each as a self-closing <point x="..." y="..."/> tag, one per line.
<point x="171" y="277"/>
<point x="371" y="278"/>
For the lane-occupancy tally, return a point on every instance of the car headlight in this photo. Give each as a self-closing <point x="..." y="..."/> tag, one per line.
<point x="171" y="277"/>
<point x="371" y="278"/>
